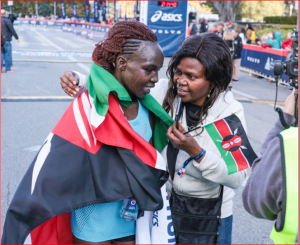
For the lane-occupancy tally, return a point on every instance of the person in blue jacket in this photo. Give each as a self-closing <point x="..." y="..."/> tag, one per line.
<point x="276" y="42"/>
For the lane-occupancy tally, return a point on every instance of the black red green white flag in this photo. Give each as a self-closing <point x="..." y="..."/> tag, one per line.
<point x="231" y="140"/>
<point x="91" y="156"/>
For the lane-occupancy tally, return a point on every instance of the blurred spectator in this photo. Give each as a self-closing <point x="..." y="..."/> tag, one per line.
<point x="203" y="26"/>
<point x="219" y="30"/>
<point x="228" y="39"/>
<point x="263" y="42"/>
<point x="12" y="17"/>
<point x="237" y="51"/>
<point x="287" y="43"/>
<point x="189" y="29"/>
<point x="250" y="34"/>
<point x="214" y="29"/>
<point x="276" y="41"/>
<point x="108" y="20"/>
<point x="257" y="40"/>
<point x="7" y="30"/>
<point x="194" y="28"/>
<point x="243" y="36"/>
<point x="229" y="26"/>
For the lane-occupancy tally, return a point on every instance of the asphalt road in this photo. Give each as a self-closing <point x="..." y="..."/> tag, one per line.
<point x="26" y="124"/>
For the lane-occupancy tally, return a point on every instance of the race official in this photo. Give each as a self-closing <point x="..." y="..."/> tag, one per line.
<point x="271" y="191"/>
<point x="237" y="52"/>
<point x="7" y="30"/>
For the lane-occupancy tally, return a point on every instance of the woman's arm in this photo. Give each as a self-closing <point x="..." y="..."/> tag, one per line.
<point x="211" y="165"/>
<point x="73" y="83"/>
<point x="214" y="168"/>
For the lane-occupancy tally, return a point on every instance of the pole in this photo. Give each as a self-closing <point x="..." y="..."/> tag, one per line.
<point x="54" y="9"/>
<point x="36" y="8"/>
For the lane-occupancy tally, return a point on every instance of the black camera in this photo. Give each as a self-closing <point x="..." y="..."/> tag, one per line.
<point x="290" y="66"/>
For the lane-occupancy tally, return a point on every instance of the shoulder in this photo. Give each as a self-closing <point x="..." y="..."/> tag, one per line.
<point x="224" y="105"/>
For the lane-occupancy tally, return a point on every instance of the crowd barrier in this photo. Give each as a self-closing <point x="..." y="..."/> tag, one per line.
<point x="254" y="59"/>
<point x="94" y="31"/>
<point x="260" y="61"/>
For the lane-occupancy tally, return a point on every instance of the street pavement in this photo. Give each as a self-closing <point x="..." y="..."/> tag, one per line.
<point x="26" y="123"/>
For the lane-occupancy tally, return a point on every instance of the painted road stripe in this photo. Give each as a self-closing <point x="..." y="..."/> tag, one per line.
<point x="36" y="99"/>
<point x="67" y="98"/>
<point x="52" y="54"/>
<point x="53" y="61"/>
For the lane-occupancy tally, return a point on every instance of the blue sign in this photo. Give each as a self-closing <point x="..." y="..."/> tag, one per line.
<point x="168" y="20"/>
<point x="87" y="11"/>
<point x="74" y="9"/>
<point x="262" y="60"/>
<point x="63" y="11"/>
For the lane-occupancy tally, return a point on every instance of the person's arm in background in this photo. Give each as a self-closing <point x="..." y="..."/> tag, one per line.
<point x="262" y="195"/>
<point x="12" y="30"/>
<point x="270" y="41"/>
<point x="240" y="47"/>
<point x="73" y="83"/>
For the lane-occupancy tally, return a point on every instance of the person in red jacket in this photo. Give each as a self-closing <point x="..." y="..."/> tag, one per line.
<point x="287" y="43"/>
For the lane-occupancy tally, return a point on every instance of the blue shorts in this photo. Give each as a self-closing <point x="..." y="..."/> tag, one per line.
<point x="101" y="222"/>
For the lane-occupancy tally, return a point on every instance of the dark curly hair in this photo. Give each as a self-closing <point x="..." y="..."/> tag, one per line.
<point x="213" y="52"/>
<point x="122" y="38"/>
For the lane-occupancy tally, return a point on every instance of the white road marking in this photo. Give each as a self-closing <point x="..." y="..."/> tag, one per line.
<point x="244" y="94"/>
<point x="84" y="67"/>
<point x="33" y="148"/>
<point x="50" y="42"/>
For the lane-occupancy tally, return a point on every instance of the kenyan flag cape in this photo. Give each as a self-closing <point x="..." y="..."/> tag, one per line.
<point x="91" y="156"/>
<point x="230" y="137"/>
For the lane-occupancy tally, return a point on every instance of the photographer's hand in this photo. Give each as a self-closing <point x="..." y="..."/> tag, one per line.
<point x="290" y="104"/>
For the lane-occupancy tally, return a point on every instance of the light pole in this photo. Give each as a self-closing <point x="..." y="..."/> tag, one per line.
<point x="54" y="9"/>
<point x="36" y="8"/>
<point x="291" y="8"/>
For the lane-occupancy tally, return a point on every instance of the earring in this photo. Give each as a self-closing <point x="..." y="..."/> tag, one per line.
<point x="208" y="94"/>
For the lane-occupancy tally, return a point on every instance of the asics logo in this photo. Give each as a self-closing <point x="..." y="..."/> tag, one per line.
<point x="166" y="17"/>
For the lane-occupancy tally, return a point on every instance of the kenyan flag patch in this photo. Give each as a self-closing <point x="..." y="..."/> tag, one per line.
<point x="230" y="138"/>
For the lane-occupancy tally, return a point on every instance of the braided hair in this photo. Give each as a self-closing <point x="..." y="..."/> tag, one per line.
<point x="123" y="38"/>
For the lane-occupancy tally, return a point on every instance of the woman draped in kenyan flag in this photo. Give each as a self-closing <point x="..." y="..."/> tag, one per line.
<point x="105" y="149"/>
<point x="199" y="73"/>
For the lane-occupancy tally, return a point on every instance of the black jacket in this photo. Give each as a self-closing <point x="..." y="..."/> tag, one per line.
<point x="7" y="29"/>
<point x="194" y="29"/>
<point x="220" y="34"/>
<point x="237" y="47"/>
<point x="203" y="27"/>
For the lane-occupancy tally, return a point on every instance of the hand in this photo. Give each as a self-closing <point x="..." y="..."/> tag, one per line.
<point x="270" y="35"/>
<point x="184" y="142"/>
<point x="68" y="82"/>
<point x="290" y="104"/>
<point x="18" y="40"/>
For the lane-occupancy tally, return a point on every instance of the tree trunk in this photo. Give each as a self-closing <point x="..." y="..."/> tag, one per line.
<point x="225" y="9"/>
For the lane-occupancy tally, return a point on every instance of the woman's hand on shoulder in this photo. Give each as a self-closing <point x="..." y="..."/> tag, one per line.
<point x="184" y="142"/>
<point x="69" y="81"/>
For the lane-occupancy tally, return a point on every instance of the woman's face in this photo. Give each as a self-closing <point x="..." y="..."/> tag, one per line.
<point x="140" y="72"/>
<point x="192" y="85"/>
